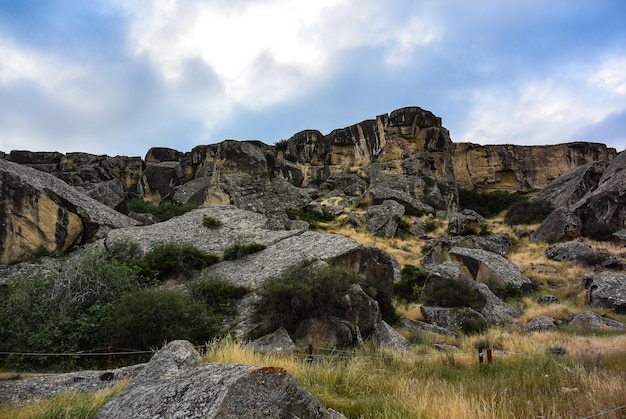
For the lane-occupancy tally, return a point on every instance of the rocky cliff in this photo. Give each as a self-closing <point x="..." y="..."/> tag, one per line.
<point x="517" y="168"/>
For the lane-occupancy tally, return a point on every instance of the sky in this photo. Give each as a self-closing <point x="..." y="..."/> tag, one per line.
<point x="118" y="77"/>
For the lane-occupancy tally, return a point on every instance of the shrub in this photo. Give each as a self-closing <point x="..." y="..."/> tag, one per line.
<point x="311" y="217"/>
<point x="163" y="211"/>
<point x="211" y="222"/>
<point x="449" y="292"/>
<point x="431" y="225"/>
<point x="409" y="288"/>
<point x="237" y="251"/>
<point x="303" y="291"/>
<point x="170" y="259"/>
<point x="595" y="230"/>
<point x="219" y="295"/>
<point x="487" y="204"/>
<point x="472" y="325"/>
<point x="527" y="212"/>
<point x="149" y="317"/>
<point x="281" y="145"/>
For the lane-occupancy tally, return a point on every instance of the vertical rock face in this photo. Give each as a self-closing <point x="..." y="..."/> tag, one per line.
<point x="407" y="150"/>
<point x="521" y="168"/>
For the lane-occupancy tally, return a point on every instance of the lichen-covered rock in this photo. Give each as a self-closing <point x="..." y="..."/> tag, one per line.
<point x="450" y="318"/>
<point x="278" y="342"/>
<point x="489" y="268"/>
<point x="376" y="195"/>
<point x="174" y="385"/>
<point x="327" y="332"/>
<point x="387" y="337"/>
<point x="438" y="248"/>
<point x="110" y="193"/>
<point x="417" y="327"/>
<point x="606" y="290"/>
<point x="561" y="225"/>
<point x="466" y="222"/>
<point x="41" y="212"/>
<point x="541" y="324"/>
<point x="383" y="220"/>
<point x="591" y="320"/>
<point x="577" y="251"/>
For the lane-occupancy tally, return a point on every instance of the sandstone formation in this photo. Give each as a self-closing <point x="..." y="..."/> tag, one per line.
<point x="175" y="384"/>
<point x="517" y="168"/>
<point x="41" y="213"/>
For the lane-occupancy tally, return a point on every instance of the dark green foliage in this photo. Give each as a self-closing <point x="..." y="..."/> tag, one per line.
<point x="505" y="291"/>
<point x="149" y="317"/>
<point x="527" y="212"/>
<point x="169" y="259"/>
<point x="311" y="217"/>
<point x="218" y="294"/>
<point x="487" y="204"/>
<point x="211" y="222"/>
<point x="472" y="325"/>
<point x="302" y="292"/>
<point x="595" y="230"/>
<point x="281" y="145"/>
<point x="431" y="225"/>
<point x="449" y="292"/>
<point x="409" y="288"/>
<point x="237" y="251"/>
<point x="163" y="211"/>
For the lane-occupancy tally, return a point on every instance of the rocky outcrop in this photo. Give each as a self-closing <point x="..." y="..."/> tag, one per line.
<point x="388" y="337"/>
<point x="41" y="213"/>
<point x="591" y="320"/>
<point x="541" y="324"/>
<point x="175" y="384"/>
<point x="577" y="251"/>
<point x="515" y="168"/>
<point x="489" y="268"/>
<point x="408" y="151"/>
<point x="438" y="249"/>
<point x="383" y="220"/>
<point x="450" y="318"/>
<point x="278" y="342"/>
<point x="464" y="223"/>
<point x="417" y="327"/>
<point x="561" y="225"/>
<point x="606" y="290"/>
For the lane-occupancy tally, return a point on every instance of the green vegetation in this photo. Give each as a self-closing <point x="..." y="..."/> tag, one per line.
<point x="487" y="204"/>
<point x="163" y="211"/>
<point x="218" y="294"/>
<point x="598" y="231"/>
<point x="211" y="222"/>
<point x="527" y="212"/>
<point x="409" y="288"/>
<point x="449" y="292"/>
<point x="281" y="145"/>
<point x="302" y="292"/>
<point x="237" y="251"/>
<point x="311" y="217"/>
<point x="170" y="259"/>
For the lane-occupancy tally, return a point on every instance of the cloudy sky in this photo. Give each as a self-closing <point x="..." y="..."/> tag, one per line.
<point x="117" y="77"/>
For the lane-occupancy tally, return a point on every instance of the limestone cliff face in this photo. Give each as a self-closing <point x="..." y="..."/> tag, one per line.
<point x="517" y="168"/>
<point x="407" y="150"/>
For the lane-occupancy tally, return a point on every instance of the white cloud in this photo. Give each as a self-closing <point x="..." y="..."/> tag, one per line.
<point x="611" y="76"/>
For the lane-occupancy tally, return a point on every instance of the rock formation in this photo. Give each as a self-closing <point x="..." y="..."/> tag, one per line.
<point x="516" y="168"/>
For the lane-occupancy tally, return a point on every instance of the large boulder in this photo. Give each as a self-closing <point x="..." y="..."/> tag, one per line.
<point x="376" y="195"/>
<point x="175" y="384"/>
<point x="417" y="327"/>
<point x="541" y="324"/>
<point x="450" y="318"/>
<point x="561" y="225"/>
<point x="278" y="342"/>
<point x="464" y="223"/>
<point x="40" y="212"/>
<point x="489" y="268"/>
<point x="327" y="332"/>
<point x="577" y="251"/>
<point x="606" y="290"/>
<point x="437" y="249"/>
<point x="387" y="337"/>
<point x="383" y="220"/>
<point x="591" y="320"/>
<point x="110" y="193"/>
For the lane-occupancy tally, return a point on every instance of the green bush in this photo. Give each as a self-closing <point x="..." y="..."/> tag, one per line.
<point x="170" y="259"/>
<point x="527" y="212"/>
<point x="431" y="225"/>
<point x="450" y="292"/>
<point x="472" y="325"/>
<point x="595" y="230"/>
<point x="237" y="251"/>
<point x="302" y="292"/>
<point x="211" y="222"/>
<point x="163" y="211"/>
<point x="281" y="145"/>
<point x="219" y="295"/>
<point x="412" y="280"/>
<point x="487" y="204"/>
<point x="311" y="217"/>
<point x="150" y="317"/>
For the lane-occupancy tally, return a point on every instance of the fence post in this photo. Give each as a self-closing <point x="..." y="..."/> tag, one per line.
<point x="480" y="355"/>
<point x="489" y="356"/>
<point x="309" y="357"/>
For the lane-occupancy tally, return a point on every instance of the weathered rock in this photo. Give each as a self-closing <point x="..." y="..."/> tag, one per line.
<point x="360" y="310"/>
<point x="418" y="328"/>
<point x="541" y="324"/>
<point x="606" y="204"/>
<point x="606" y="290"/>
<point x="353" y="220"/>
<point x="619" y="238"/>
<point x="159" y="180"/>
<point x="450" y="318"/>
<point x="591" y="320"/>
<point x="489" y="268"/>
<point x="174" y="385"/>
<point x="327" y="332"/>
<point x="389" y="338"/>
<point x="515" y="168"/>
<point x="278" y="342"/>
<point x="561" y="225"/>
<point x="466" y="222"/>
<point x="347" y="183"/>
<point x="383" y="220"/>
<point x="110" y="192"/>
<point x="577" y="251"/>
<point x="571" y="186"/>
<point x="377" y="195"/>
<point x="39" y="211"/>
<point x="438" y="249"/>
<point x="418" y="228"/>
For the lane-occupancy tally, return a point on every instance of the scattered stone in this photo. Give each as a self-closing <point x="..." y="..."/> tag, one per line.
<point x="541" y="324"/>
